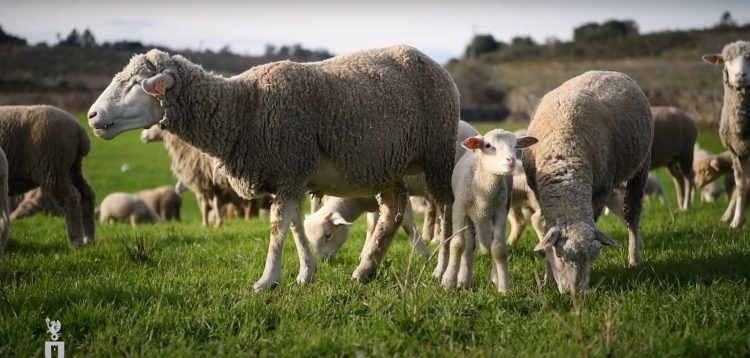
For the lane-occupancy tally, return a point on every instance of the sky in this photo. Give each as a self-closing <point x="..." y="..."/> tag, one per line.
<point x="442" y="29"/>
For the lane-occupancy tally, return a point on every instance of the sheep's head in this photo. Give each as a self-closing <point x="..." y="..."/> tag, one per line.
<point x="736" y="60"/>
<point x="152" y="134"/>
<point x="131" y="99"/>
<point x="497" y="150"/>
<point x="707" y="170"/>
<point x="570" y="251"/>
<point x="327" y="232"/>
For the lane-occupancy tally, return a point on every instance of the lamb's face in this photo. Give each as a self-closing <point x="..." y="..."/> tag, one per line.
<point x="327" y="233"/>
<point x="570" y="251"/>
<point x="497" y="150"/>
<point x="705" y="172"/>
<point x="152" y="134"/>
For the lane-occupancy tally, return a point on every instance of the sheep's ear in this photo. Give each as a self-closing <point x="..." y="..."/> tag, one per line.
<point x="550" y="239"/>
<point x="714" y="163"/>
<point x="714" y="59"/>
<point x="336" y="219"/>
<point x="158" y="84"/>
<point x="473" y="142"/>
<point x="606" y="240"/>
<point x="526" y="141"/>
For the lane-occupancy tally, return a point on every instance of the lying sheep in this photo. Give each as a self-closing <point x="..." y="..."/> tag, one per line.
<point x="45" y="147"/>
<point x="352" y="125"/>
<point x="35" y="202"/>
<point x="735" y="122"/>
<point x="4" y="201"/>
<point x="674" y="138"/>
<point x="328" y="228"/>
<point x="163" y="200"/>
<point x="595" y="131"/>
<point x="482" y="200"/>
<point x="126" y="208"/>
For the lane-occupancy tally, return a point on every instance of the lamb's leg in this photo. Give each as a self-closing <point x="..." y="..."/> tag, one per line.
<point x="216" y="204"/>
<point x="70" y="199"/>
<point x="88" y="201"/>
<point x="205" y="208"/>
<point x="410" y="226"/>
<point x="392" y="206"/>
<point x="456" y="249"/>
<point x="500" y="254"/>
<point x="443" y="243"/>
<point x="283" y="212"/>
<point x="428" y="229"/>
<point x="679" y="184"/>
<point x="632" y="208"/>
<point x="307" y="265"/>
<point x="517" y="224"/>
<point x="466" y="266"/>
<point x="742" y="184"/>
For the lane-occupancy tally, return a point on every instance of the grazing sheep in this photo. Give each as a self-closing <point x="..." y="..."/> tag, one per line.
<point x="352" y="125"/>
<point x="4" y="201"/>
<point x="45" y="147"/>
<point x="595" y="132"/>
<point x="34" y="202"/>
<point x="674" y="139"/>
<point x="735" y="122"/>
<point x="709" y="167"/>
<point x="126" y="208"/>
<point x="328" y="228"/>
<point x="482" y="199"/>
<point x="163" y="200"/>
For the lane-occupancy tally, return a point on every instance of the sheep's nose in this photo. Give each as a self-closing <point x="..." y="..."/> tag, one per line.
<point x="92" y="114"/>
<point x="511" y="161"/>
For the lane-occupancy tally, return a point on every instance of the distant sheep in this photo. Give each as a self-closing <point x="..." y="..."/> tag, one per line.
<point x="735" y="122"/>
<point x="163" y="200"/>
<point x="45" y="147"/>
<point x="126" y="208"/>
<point x="674" y="138"/>
<point x="595" y="131"/>
<point x="352" y="125"/>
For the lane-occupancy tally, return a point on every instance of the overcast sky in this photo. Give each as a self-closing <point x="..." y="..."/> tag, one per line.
<point x="442" y="29"/>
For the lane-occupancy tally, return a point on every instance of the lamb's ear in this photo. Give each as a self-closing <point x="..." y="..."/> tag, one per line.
<point x="527" y="141"/>
<point x="473" y="142"/>
<point x="714" y="58"/>
<point x="158" y="84"/>
<point x="606" y="240"/>
<point x="714" y="163"/>
<point x="550" y="239"/>
<point x="336" y="219"/>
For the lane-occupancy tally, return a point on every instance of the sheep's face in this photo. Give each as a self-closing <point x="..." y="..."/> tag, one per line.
<point x="570" y="251"/>
<point x="736" y="60"/>
<point x="123" y="106"/>
<point x="497" y="150"/>
<point x="327" y="233"/>
<point x="706" y="171"/>
<point x="152" y="134"/>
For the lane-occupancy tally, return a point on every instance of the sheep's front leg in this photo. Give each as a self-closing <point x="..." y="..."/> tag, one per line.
<point x="742" y="181"/>
<point x="392" y="206"/>
<point x="500" y="254"/>
<point x="679" y="184"/>
<point x="307" y="265"/>
<point x="216" y="204"/>
<point x="446" y="229"/>
<point x="517" y="224"/>
<point x="428" y="228"/>
<point x="632" y="208"/>
<point x="70" y="199"/>
<point x="456" y="246"/>
<point x="283" y="212"/>
<point x="482" y="231"/>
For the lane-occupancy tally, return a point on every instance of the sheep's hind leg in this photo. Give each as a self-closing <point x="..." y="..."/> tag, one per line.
<point x="283" y="212"/>
<point x="66" y="194"/>
<point x="632" y="209"/>
<point x="679" y="184"/>
<point x="457" y="246"/>
<point x="307" y="265"/>
<point x="88" y="199"/>
<point x="392" y="207"/>
<point x="742" y="182"/>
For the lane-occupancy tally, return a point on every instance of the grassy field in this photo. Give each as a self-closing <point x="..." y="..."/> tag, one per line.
<point x="179" y="289"/>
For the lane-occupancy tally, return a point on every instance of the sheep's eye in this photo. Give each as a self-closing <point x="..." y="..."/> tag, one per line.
<point x="487" y="145"/>
<point x="328" y="236"/>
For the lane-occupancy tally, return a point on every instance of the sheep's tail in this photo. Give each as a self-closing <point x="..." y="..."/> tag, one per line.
<point x="84" y="143"/>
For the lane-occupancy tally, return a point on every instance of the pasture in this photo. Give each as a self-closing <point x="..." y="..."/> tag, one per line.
<point x="179" y="289"/>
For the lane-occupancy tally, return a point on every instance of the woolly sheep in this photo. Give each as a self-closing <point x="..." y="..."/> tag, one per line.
<point x="352" y="125"/>
<point x="126" y="208"/>
<point x="709" y="167"/>
<point x="34" y="202"/>
<point x="45" y="147"/>
<point x="163" y="200"/>
<point x="328" y="228"/>
<point x="482" y="199"/>
<point x="595" y="131"/>
<point x="674" y="138"/>
<point x="4" y="201"/>
<point x="735" y="122"/>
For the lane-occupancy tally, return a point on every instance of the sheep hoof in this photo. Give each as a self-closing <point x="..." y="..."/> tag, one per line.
<point x="264" y="284"/>
<point x="737" y="222"/>
<point x="306" y="276"/>
<point x="77" y="244"/>
<point x="726" y="217"/>
<point x="438" y="273"/>
<point x="363" y="275"/>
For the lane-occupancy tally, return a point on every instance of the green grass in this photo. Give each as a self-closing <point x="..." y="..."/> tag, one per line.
<point x="179" y="289"/>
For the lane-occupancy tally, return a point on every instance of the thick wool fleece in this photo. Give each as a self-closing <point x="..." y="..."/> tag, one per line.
<point x="594" y="131"/>
<point x="374" y="115"/>
<point x="674" y="138"/>
<point x="734" y="128"/>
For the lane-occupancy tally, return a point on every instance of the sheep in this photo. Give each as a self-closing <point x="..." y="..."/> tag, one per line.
<point x="45" y="147"/>
<point x="482" y="199"/>
<point x="709" y="167"/>
<point x="523" y="203"/>
<point x="351" y="125"/>
<point x="34" y="202"/>
<point x="124" y="207"/>
<point x="4" y="201"/>
<point x="735" y="122"/>
<point x="163" y="200"/>
<point x="328" y="228"/>
<point x="595" y="132"/>
<point x="674" y="138"/>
